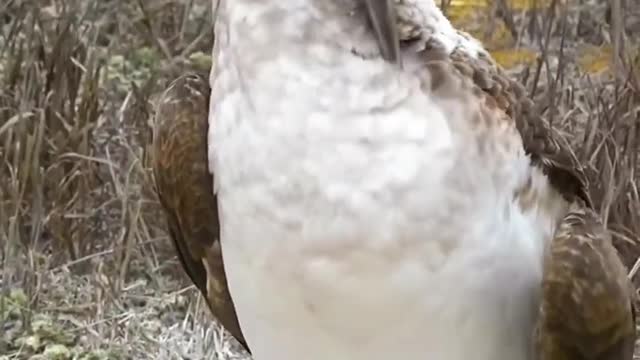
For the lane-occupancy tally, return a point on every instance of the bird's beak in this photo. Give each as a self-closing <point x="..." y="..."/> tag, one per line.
<point x="383" y="18"/>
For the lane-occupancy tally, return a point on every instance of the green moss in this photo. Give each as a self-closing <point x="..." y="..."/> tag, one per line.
<point x="57" y="352"/>
<point x="201" y="60"/>
<point x="12" y="305"/>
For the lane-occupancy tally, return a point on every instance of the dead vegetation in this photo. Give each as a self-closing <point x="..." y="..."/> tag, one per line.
<point x="87" y="271"/>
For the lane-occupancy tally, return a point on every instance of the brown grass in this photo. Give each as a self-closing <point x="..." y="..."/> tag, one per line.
<point x="86" y="264"/>
<point x="84" y="252"/>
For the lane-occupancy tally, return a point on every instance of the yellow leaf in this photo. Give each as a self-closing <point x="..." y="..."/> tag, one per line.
<point x="520" y="5"/>
<point x="460" y="10"/>
<point x="594" y="59"/>
<point x="471" y="16"/>
<point x="464" y="11"/>
<point x="498" y="37"/>
<point x="509" y="58"/>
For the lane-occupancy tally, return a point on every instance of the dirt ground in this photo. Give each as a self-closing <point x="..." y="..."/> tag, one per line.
<point x="87" y="269"/>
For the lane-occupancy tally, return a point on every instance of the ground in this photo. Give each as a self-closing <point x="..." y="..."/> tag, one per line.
<point x="87" y="269"/>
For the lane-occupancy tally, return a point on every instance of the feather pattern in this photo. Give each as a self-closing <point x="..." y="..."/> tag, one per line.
<point x="449" y="146"/>
<point x="587" y="309"/>
<point x="183" y="184"/>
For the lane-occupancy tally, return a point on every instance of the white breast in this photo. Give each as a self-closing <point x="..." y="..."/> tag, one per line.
<point x="360" y="221"/>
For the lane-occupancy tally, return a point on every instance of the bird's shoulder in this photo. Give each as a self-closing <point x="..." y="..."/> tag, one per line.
<point x="505" y="99"/>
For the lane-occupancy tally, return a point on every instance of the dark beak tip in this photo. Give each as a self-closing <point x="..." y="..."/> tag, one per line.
<point x="383" y="19"/>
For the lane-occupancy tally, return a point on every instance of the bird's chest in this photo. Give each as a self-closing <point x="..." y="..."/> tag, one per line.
<point x="338" y="201"/>
<point x="295" y="144"/>
<point x="335" y="157"/>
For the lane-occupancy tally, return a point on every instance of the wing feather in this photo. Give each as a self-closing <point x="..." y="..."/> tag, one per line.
<point x="587" y="309"/>
<point x="185" y="188"/>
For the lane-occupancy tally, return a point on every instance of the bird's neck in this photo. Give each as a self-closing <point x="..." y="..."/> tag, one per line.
<point x="305" y="29"/>
<point x="264" y="29"/>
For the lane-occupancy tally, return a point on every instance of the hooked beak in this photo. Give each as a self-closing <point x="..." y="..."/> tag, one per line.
<point x="383" y="18"/>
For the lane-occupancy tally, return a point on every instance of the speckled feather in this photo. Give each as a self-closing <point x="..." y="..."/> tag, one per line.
<point x="540" y="141"/>
<point x="587" y="310"/>
<point x="452" y="70"/>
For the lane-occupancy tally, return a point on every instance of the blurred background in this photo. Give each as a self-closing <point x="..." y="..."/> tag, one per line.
<point x="87" y="270"/>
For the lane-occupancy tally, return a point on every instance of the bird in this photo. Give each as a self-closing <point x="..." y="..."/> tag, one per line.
<point x="378" y="187"/>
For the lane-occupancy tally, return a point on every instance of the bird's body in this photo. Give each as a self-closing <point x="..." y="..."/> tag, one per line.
<point x="367" y="210"/>
<point x="372" y="211"/>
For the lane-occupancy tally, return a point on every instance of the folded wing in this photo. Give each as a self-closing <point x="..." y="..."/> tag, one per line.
<point x="185" y="188"/>
<point x="587" y="310"/>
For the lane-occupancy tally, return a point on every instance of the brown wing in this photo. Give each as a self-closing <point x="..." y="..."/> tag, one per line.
<point x="587" y="310"/>
<point x="185" y="188"/>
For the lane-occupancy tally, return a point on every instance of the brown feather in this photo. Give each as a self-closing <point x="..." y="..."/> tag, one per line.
<point x="545" y="147"/>
<point x="185" y="188"/>
<point x="587" y="310"/>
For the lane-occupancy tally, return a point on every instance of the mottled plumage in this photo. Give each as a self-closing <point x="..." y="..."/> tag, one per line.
<point x="369" y="210"/>
<point x="183" y="184"/>
<point x="587" y="310"/>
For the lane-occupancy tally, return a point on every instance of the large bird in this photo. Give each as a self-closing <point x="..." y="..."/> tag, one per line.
<point x="381" y="189"/>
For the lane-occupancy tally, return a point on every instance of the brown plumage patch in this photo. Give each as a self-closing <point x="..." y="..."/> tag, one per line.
<point x="185" y="188"/>
<point x="587" y="310"/>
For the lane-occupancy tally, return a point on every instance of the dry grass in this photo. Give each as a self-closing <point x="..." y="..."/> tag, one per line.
<point x="86" y="266"/>
<point x="87" y="271"/>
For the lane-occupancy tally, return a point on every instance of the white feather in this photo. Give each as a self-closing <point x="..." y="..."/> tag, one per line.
<point x="359" y="220"/>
